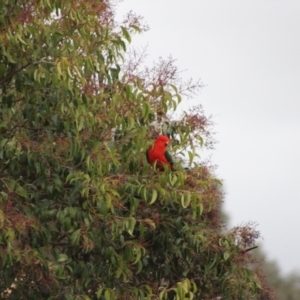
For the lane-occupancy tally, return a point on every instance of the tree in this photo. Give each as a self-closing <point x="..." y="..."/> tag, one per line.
<point x="82" y="214"/>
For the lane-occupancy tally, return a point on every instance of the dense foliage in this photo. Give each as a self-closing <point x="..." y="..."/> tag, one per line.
<point x="82" y="215"/>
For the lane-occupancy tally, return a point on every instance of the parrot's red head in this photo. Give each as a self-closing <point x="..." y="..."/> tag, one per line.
<point x="162" y="141"/>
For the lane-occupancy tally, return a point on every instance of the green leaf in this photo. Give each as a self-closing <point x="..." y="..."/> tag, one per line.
<point x="130" y="224"/>
<point x="199" y="209"/>
<point x="61" y="257"/>
<point x="75" y="237"/>
<point x="21" y="191"/>
<point x="9" y="235"/>
<point x="9" y="57"/>
<point x="154" y="196"/>
<point x="149" y="222"/>
<point x="186" y="199"/>
<point x="107" y="295"/>
<point x="213" y="264"/>
<point x="3" y="142"/>
<point x="173" y="179"/>
<point x="99" y="293"/>
<point x="145" y="110"/>
<point x="138" y="256"/>
<point x="10" y="184"/>
<point x="131" y="123"/>
<point x="140" y="267"/>
<point x="191" y="157"/>
<point x="126" y="34"/>
<point x="2" y="218"/>
<point x="226" y="255"/>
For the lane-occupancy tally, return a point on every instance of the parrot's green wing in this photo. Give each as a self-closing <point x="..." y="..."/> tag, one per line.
<point x="169" y="158"/>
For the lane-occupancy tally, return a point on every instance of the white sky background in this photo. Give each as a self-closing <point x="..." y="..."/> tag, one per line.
<point x="247" y="52"/>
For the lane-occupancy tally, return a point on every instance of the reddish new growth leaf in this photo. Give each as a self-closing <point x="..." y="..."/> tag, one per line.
<point x="246" y="235"/>
<point x="16" y="219"/>
<point x="200" y="127"/>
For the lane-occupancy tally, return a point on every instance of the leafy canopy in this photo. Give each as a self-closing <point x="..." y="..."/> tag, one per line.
<point x="82" y="215"/>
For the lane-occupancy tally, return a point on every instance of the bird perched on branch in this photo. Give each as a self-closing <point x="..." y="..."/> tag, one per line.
<point x="158" y="155"/>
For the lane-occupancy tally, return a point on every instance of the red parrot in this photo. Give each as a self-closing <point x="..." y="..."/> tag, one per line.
<point x="158" y="153"/>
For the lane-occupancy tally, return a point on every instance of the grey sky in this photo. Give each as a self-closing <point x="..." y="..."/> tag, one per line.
<point x="248" y="55"/>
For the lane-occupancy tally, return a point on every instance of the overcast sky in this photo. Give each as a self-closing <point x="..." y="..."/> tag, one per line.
<point x="247" y="53"/>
